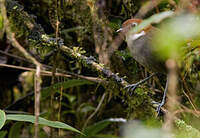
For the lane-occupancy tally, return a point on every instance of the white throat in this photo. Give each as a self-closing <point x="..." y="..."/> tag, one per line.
<point x="136" y="36"/>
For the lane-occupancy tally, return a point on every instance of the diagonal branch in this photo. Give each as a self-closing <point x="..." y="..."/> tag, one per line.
<point x="36" y="36"/>
<point x="14" y="42"/>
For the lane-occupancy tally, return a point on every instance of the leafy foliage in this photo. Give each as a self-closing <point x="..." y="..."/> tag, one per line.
<point x="42" y="121"/>
<point x="87" y="28"/>
<point x="2" y="118"/>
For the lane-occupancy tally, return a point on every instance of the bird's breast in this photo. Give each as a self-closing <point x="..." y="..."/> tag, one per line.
<point x="142" y="51"/>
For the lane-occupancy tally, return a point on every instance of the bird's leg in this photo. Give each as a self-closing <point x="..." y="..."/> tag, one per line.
<point x="164" y="97"/>
<point x="132" y="87"/>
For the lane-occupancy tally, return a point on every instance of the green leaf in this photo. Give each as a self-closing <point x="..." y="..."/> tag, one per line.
<point x="93" y="130"/>
<point x="171" y="41"/>
<point x="1" y="22"/>
<point x="2" y="118"/>
<point x="85" y="108"/>
<point x="15" y="130"/>
<point x="67" y="84"/>
<point x="71" y="98"/>
<point x="3" y="134"/>
<point x="156" y="18"/>
<point x="42" y="121"/>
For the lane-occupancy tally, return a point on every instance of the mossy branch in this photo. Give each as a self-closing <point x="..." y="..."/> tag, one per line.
<point x="33" y="34"/>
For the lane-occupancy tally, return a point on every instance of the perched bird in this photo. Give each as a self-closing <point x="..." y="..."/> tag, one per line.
<point x="142" y="49"/>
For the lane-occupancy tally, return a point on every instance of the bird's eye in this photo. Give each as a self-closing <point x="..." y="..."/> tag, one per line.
<point x="133" y="24"/>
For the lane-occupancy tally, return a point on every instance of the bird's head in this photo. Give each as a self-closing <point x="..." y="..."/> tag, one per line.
<point x="131" y="23"/>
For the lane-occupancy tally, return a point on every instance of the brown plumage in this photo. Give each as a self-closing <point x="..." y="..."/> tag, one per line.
<point x="142" y="49"/>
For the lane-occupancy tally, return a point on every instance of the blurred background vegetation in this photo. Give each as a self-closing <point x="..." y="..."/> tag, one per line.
<point x="89" y="28"/>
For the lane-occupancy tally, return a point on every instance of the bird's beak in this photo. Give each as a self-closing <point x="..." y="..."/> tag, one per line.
<point x="119" y="30"/>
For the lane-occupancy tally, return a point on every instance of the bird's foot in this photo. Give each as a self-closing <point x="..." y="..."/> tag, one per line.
<point x="131" y="88"/>
<point x="158" y="109"/>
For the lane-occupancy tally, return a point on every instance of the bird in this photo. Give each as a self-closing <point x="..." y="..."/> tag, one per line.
<point x="142" y="50"/>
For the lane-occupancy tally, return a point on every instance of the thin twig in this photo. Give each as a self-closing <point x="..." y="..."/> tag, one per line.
<point x="15" y="56"/>
<point x="187" y="94"/>
<point x="60" y="72"/>
<point x="150" y="5"/>
<point x="188" y="97"/>
<point x="196" y="112"/>
<point x="48" y="73"/>
<point x="37" y="99"/>
<point x="99" y="105"/>
<point x="11" y="37"/>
